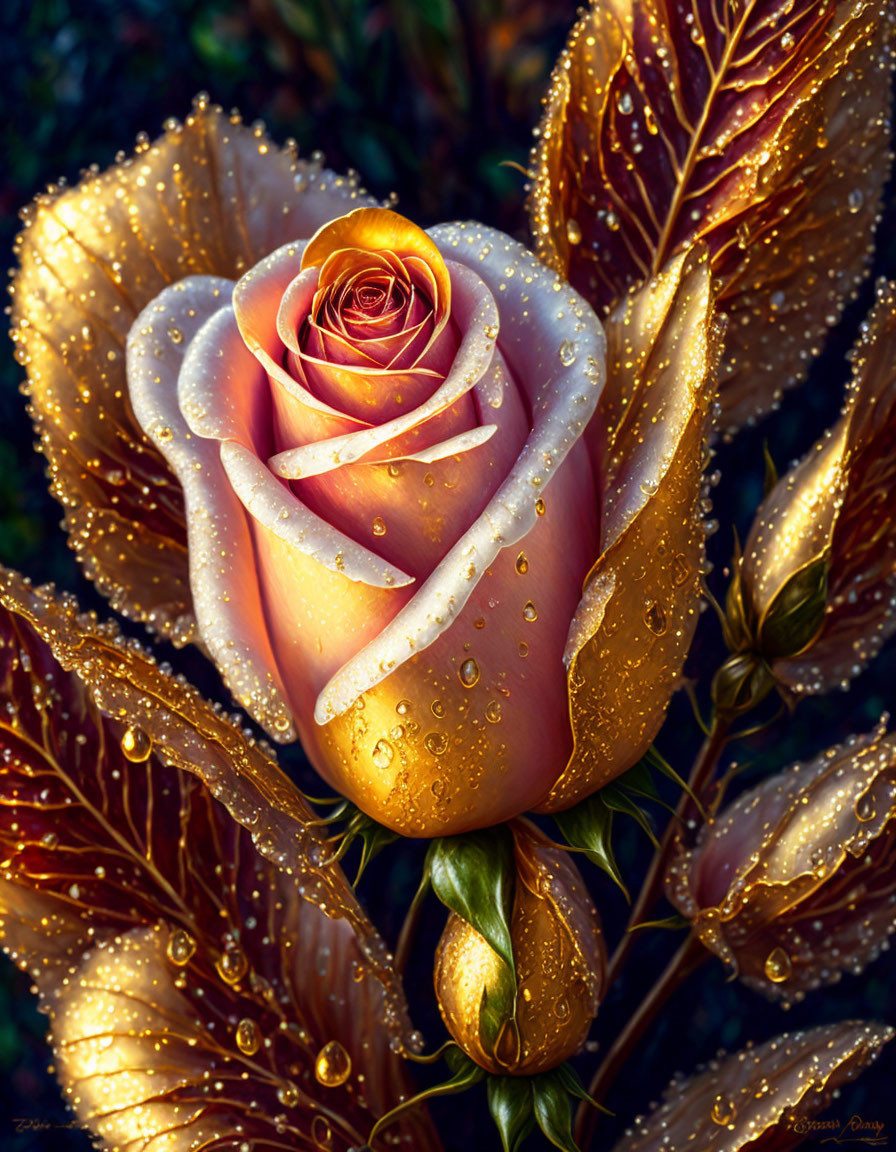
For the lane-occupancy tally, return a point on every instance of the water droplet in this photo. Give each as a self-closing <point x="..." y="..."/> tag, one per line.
<point x="655" y="618"/>
<point x="393" y="470"/>
<point x="568" y="353"/>
<point x="865" y="808"/>
<point x="650" y="121"/>
<point x="573" y="232"/>
<point x="429" y="479"/>
<point x="175" y="335"/>
<point x="624" y="103"/>
<point x="288" y="1094"/>
<point x="379" y="526"/>
<point x="232" y="964"/>
<point x="540" y="507"/>
<point x="530" y="612"/>
<point x="723" y="1110"/>
<point x="778" y="967"/>
<point x="468" y="673"/>
<point x="181" y="947"/>
<point x="437" y="708"/>
<point x="509" y="1044"/>
<point x="561" y="1008"/>
<point x="438" y="788"/>
<point x="136" y="745"/>
<point x="680" y="569"/>
<point x="491" y="331"/>
<point x="403" y="707"/>
<point x="88" y="337"/>
<point x="493" y="712"/>
<point x="855" y="200"/>
<point x="435" y="742"/>
<point x="522" y="564"/>
<point x="523" y="648"/>
<point x="248" y="1038"/>
<point x="49" y="839"/>
<point x="333" y="1065"/>
<point x="382" y="754"/>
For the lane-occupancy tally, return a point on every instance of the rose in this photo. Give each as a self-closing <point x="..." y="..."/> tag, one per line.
<point x="391" y="510"/>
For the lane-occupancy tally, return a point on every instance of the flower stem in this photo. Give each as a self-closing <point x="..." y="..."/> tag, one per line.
<point x="686" y="960"/>
<point x="409" y="927"/>
<point x="651" y="889"/>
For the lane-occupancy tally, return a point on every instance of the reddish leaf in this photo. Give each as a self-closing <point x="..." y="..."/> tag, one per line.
<point x="759" y="126"/>
<point x="207" y="984"/>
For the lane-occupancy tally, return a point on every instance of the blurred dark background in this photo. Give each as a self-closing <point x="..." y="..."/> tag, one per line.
<point x="428" y="99"/>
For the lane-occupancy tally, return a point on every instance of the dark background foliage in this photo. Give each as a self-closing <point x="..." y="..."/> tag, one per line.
<point x="428" y="99"/>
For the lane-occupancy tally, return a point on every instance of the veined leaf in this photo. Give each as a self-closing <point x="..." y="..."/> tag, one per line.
<point x="588" y="826"/>
<point x="758" y="126"/>
<point x="510" y="1103"/>
<point x="208" y="977"/>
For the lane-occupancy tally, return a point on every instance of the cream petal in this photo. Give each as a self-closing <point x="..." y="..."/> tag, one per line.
<point x="272" y="504"/>
<point x="476" y="314"/>
<point x="219" y="539"/>
<point x="555" y="347"/>
<point x="222" y="389"/>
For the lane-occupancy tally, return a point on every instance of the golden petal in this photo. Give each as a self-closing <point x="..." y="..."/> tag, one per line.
<point x="151" y="847"/>
<point x="772" y="146"/>
<point x="210" y="196"/>
<point x="634" y="625"/>
<point x="754" y="1098"/>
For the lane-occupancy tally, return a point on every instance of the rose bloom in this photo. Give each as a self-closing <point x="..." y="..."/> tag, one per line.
<point x="795" y="882"/>
<point x="560" y="960"/>
<point x="363" y="425"/>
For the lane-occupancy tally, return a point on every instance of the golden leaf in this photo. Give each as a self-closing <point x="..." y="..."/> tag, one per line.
<point x="208" y="976"/>
<point x="209" y="197"/>
<point x="755" y="1098"/>
<point x="633" y="627"/>
<point x="759" y="127"/>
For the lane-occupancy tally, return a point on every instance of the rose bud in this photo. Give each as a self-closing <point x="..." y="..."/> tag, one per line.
<point x="795" y="881"/>
<point x="559" y="957"/>
<point x="814" y="593"/>
<point x="761" y="1098"/>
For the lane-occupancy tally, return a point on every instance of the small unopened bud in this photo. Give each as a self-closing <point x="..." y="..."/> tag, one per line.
<point x="559" y="957"/>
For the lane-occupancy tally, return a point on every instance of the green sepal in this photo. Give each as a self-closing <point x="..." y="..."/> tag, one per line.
<point x="588" y="827"/>
<point x="796" y="614"/>
<point x="474" y="875"/>
<point x="510" y="1103"/>
<point x="374" y="837"/>
<point x="671" y="923"/>
<point x="553" y="1113"/>
<point x="618" y="798"/>
<point x="569" y="1079"/>
<point x="465" y="1073"/>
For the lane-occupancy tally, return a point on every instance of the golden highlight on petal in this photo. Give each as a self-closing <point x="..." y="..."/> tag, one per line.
<point x="760" y="128"/>
<point x="164" y="886"/>
<point x="758" y="1097"/>
<point x="210" y="196"/>
<point x="379" y="230"/>
<point x="559" y="955"/>
<point x="632" y="630"/>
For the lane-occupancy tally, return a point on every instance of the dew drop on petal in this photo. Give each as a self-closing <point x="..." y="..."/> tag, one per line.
<point x="568" y="352"/>
<point x="530" y="612"/>
<point x="522" y="564"/>
<point x="288" y="1094"/>
<point x="722" y="1111"/>
<point x="778" y="966"/>
<point x="379" y="526"/>
<point x="181" y="947"/>
<point x="333" y="1065"/>
<point x="573" y="232"/>
<point x="436" y="743"/>
<point x="468" y="673"/>
<point x="493" y="712"/>
<point x="655" y="618"/>
<point x="865" y="808"/>
<point x="136" y="745"/>
<point x="540" y="508"/>
<point x="382" y="754"/>
<point x="248" y="1038"/>
<point x="232" y="964"/>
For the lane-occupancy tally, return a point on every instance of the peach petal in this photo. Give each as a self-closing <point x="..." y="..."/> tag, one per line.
<point x="476" y="313"/>
<point x="220" y="544"/>
<point x="567" y="361"/>
<point x="272" y="505"/>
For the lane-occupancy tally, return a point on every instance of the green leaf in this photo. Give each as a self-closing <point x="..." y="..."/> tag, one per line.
<point x="617" y="800"/>
<point x="671" y="923"/>
<point x="510" y="1102"/>
<point x="552" y="1111"/>
<point x="497" y="1009"/>
<point x="374" y="838"/>
<point x="653" y="757"/>
<point x="588" y="827"/>
<point x="474" y="876"/>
